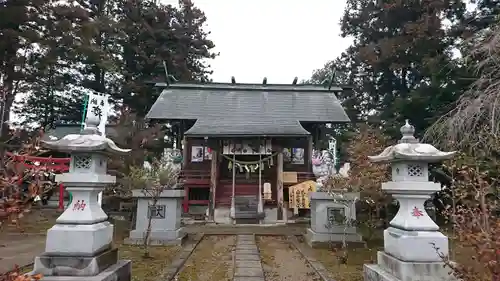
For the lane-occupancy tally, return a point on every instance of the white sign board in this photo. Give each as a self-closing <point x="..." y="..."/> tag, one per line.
<point x="98" y="106"/>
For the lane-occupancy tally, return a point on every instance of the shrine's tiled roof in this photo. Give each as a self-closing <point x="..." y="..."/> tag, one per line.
<point x="248" y="109"/>
<point x="240" y="126"/>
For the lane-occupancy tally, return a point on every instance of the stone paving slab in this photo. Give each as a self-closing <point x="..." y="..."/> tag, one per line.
<point x="245" y="242"/>
<point x="248" y="266"/>
<point x="247" y="263"/>
<point x="246" y="252"/>
<point x="247" y="257"/>
<point x="246" y="247"/>
<point x="248" y="272"/>
<point x="248" y="279"/>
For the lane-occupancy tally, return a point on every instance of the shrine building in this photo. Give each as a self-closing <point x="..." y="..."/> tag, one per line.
<point x="243" y="145"/>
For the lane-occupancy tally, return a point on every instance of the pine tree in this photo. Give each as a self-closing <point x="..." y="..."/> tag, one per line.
<point x="165" y="34"/>
<point x="66" y="63"/>
<point x="21" y="23"/>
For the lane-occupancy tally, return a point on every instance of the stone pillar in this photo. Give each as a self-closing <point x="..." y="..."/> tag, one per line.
<point x="410" y="241"/>
<point x="165" y="218"/>
<point x="326" y="210"/>
<point x="79" y="246"/>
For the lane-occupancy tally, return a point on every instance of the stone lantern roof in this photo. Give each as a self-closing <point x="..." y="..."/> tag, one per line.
<point x="90" y="140"/>
<point x="410" y="149"/>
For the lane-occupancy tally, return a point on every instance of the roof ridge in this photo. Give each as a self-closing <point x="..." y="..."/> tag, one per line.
<point x="256" y="87"/>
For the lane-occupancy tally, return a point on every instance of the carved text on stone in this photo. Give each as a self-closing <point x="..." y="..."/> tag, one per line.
<point x="156" y="212"/>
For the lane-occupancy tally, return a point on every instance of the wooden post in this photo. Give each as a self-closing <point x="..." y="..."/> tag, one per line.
<point x="279" y="185"/>
<point x="309" y="153"/>
<point x="232" y="211"/>
<point x="213" y="185"/>
<point x="185" y="201"/>
<point x="185" y="159"/>
<point x="260" y="206"/>
<point x="185" y="154"/>
<point x="61" y="198"/>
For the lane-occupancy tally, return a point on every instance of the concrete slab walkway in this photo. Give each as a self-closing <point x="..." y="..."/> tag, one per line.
<point x="247" y="265"/>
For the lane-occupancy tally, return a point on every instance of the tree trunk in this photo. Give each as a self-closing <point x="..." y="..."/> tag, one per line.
<point x="148" y="230"/>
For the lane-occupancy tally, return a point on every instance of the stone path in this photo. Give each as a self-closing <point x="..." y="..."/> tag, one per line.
<point x="247" y="260"/>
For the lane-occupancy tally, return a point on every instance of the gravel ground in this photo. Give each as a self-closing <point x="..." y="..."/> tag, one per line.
<point x="282" y="262"/>
<point x="211" y="260"/>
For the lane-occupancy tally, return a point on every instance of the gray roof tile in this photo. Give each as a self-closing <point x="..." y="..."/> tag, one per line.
<point x="241" y="127"/>
<point x="234" y="109"/>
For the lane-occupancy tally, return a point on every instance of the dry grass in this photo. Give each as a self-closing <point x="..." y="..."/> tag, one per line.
<point x="143" y="269"/>
<point x="211" y="260"/>
<point x="282" y="262"/>
<point x="352" y="270"/>
<point x="148" y="269"/>
<point x="35" y="222"/>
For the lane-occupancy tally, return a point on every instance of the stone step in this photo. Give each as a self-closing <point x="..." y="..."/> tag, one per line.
<point x="247" y="221"/>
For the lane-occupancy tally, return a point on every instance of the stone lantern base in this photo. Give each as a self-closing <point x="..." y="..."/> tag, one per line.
<point x="79" y="245"/>
<point x="81" y="252"/>
<point x="120" y="271"/>
<point x="410" y="255"/>
<point x="81" y="265"/>
<point x="389" y="268"/>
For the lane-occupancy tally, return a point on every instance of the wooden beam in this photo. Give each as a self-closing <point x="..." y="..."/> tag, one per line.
<point x="279" y="184"/>
<point x="213" y="185"/>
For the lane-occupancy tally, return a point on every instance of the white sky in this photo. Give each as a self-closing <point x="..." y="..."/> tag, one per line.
<point x="277" y="39"/>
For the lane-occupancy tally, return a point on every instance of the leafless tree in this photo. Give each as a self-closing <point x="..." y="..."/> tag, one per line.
<point x="153" y="181"/>
<point x="474" y="122"/>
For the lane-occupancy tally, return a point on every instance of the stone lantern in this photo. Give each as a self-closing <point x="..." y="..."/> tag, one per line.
<point x="80" y="243"/>
<point x="412" y="241"/>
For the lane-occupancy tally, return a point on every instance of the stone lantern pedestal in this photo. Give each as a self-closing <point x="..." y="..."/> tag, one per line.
<point x="325" y="227"/>
<point x="412" y="241"/>
<point x="79" y="246"/>
<point x="165" y="218"/>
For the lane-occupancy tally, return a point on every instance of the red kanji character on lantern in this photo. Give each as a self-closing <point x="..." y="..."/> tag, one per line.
<point x="82" y="206"/>
<point x="76" y="206"/>
<point x="416" y="212"/>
